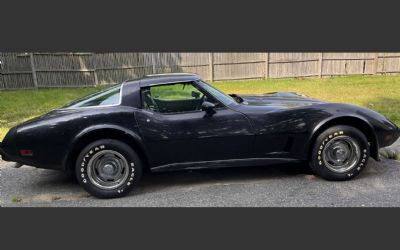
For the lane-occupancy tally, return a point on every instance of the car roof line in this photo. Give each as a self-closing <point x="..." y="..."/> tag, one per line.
<point x="171" y="74"/>
<point x="161" y="79"/>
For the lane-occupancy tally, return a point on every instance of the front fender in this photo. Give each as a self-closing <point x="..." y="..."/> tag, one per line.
<point x="354" y="120"/>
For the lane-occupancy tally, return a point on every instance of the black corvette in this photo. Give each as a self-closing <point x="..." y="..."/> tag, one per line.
<point x="177" y="121"/>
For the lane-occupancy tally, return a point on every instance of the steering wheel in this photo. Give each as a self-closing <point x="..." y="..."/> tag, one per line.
<point x="201" y="100"/>
<point x="149" y="98"/>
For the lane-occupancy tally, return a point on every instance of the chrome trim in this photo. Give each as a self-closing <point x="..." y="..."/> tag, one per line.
<point x="341" y="154"/>
<point x="96" y="171"/>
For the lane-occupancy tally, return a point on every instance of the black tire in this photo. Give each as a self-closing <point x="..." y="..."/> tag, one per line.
<point x="122" y="157"/>
<point x="320" y="159"/>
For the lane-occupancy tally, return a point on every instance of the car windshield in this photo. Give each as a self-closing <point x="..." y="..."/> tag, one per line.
<point x="109" y="96"/>
<point x="221" y="96"/>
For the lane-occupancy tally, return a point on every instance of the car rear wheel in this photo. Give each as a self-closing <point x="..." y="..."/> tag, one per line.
<point x="339" y="153"/>
<point x="108" y="168"/>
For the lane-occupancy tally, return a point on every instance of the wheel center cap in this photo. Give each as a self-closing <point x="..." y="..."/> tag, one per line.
<point x="108" y="169"/>
<point x="340" y="155"/>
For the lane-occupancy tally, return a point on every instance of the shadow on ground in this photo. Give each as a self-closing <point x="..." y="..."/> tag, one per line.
<point x="278" y="185"/>
<point x="153" y="182"/>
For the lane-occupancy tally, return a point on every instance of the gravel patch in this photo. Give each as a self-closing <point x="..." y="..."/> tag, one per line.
<point x="391" y="152"/>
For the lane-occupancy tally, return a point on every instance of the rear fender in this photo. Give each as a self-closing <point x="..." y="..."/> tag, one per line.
<point x="126" y="135"/>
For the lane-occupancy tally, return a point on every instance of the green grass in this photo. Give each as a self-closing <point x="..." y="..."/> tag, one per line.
<point x="20" y="105"/>
<point x="380" y="93"/>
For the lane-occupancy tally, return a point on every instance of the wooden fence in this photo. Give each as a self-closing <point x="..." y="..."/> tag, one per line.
<point x="38" y="70"/>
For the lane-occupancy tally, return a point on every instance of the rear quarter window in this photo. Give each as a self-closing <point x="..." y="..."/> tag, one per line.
<point x="110" y="96"/>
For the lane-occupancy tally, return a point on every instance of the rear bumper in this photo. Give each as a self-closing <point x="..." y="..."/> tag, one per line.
<point x="2" y="153"/>
<point x="4" y="156"/>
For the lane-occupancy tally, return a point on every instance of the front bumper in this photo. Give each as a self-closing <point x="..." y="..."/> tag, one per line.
<point x="396" y="136"/>
<point x="388" y="137"/>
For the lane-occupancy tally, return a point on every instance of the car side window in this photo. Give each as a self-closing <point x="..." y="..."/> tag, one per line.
<point x="174" y="98"/>
<point x="175" y="92"/>
<point x="109" y="96"/>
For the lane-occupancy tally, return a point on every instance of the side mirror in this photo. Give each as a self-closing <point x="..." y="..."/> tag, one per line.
<point x="208" y="107"/>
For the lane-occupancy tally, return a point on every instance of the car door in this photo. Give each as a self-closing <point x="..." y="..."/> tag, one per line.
<point x="176" y="130"/>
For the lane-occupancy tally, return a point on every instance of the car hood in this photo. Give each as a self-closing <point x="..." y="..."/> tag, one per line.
<point x="279" y="100"/>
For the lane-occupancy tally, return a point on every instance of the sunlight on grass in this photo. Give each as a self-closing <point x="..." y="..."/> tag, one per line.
<point x="3" y="131"/>
<point x="380" y="93"/>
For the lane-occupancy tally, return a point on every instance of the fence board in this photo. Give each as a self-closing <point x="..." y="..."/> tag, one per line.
<point x="18" y="81"/>
<point x="65" y="69"/>
<point x="293" y="65"/>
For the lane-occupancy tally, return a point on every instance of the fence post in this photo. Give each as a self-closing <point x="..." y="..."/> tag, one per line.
<point x="211" y="66"/>
<point x="375" y="69"/>
<point x="267" y="65"/>
<point x="383" y="72"/>
<point x="94" y="59"/>
<point x="34" y="77"/>
<point x="320" y="61"/>
<point x="153" y="62"/>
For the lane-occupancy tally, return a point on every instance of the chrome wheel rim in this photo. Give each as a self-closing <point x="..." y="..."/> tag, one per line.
<point x="108" y="169"/>
<point x="341" y="154"/>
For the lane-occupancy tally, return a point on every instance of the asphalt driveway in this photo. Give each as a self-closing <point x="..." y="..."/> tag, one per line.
<point x="292" y="185"/>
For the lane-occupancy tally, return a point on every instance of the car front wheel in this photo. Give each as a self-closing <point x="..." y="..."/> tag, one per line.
<point x="339" y="153"/>
<point x="108" y="168"/>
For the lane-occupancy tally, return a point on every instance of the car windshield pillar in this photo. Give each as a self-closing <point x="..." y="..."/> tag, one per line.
<point x="219" y="95"/>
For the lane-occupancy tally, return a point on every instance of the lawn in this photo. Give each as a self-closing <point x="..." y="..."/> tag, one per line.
<point x="380" y="93"/>
<point x="20" y="105"/>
